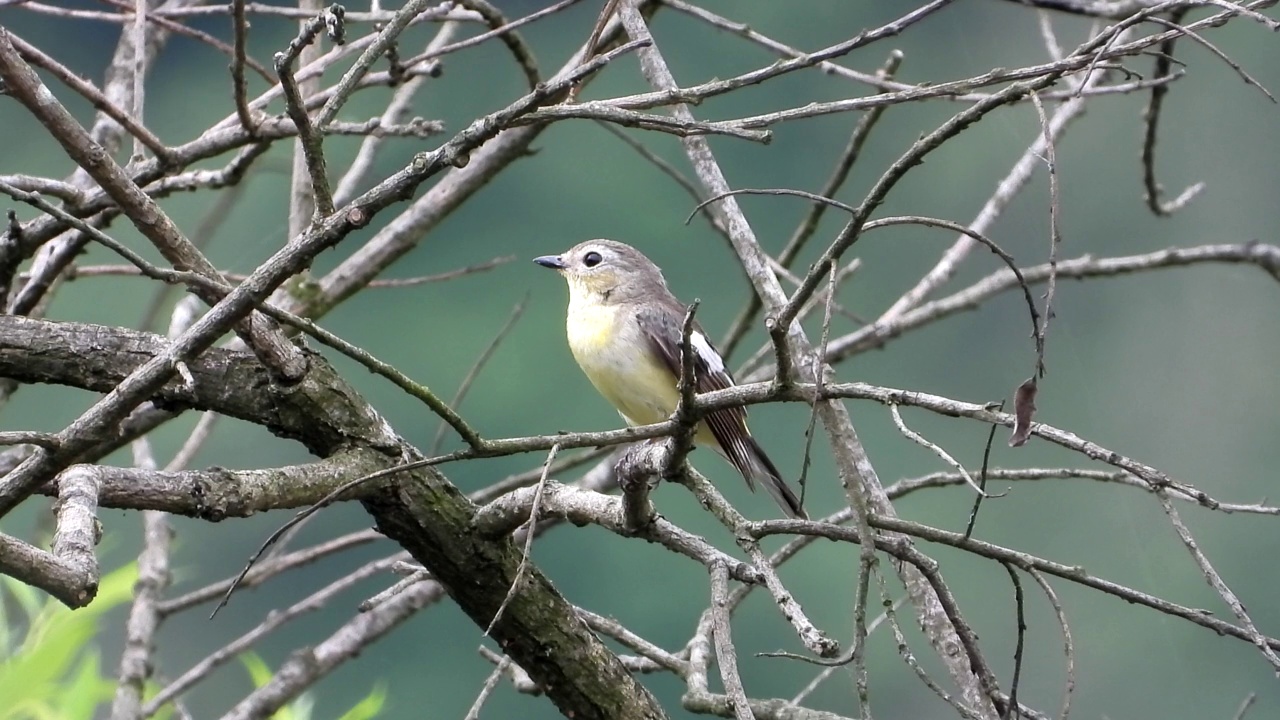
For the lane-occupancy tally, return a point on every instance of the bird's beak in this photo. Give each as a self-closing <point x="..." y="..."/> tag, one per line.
<point x="551" y="261"/>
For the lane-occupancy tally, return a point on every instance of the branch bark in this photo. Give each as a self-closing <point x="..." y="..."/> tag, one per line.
<point x="419" y="509"/>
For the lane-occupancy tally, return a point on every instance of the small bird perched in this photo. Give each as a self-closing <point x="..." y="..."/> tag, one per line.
<point x="625" y="329"/>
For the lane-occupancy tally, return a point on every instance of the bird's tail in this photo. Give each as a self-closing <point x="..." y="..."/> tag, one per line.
<point x="751" y="461"/>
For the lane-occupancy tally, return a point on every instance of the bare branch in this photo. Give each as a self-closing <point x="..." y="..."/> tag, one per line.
<point x="809" y="224"/>
<point x="581" y="507"/>
<point x="1216" y="582"/>
<point x="726" y="656"/>
<point x="239" y="87"/>
<point x="69" y="573"/>
<point x="490" y="684"/>
<point x="95" y="96"/>
<point x="530" y="534"/>
<point x="308" y="139"/>
<point x="146" y="215"/>
<point x="376" y="49"/>
<point x="877" y="334"/>
<point x="1068" y="645"/>
<point x="473" y="548"/>
<point x="137" y="661"/>
<point x="476" y="367"/>
<point x="920" y="440"/>
<point x="360" y="631"/>
<point x="1019" y="559"/>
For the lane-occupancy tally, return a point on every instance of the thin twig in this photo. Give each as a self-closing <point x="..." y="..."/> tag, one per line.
<point x="819" y="371"/>
<point x="411" y="574"/>
<point x="726" y="655"/>
<point x="982" y="478"/>
<point x="904" y="652"/>
<point x="876" y="335"/>
<point x="300" y="517"/>
<point x="1243" y="708"/>
<point x="632" y="641"/>
<point x="132" y="124"/>
<point x="923" y="442"/>
<point x="137" y="660"/>
<point x="1216" y="582"/>
<point x="1036" y="321"/>
<point x="1151" y="123"/>
<point x="239" y="86"/>
<point x="295" y="105"/>
<point x="477" y="366"/>
<point x="1068" y="645"/>
<point x="522" y="568"/>
<point x="809" y="224"/>
<point x="397" y="110"/>
<point x="817" y="641"/>
<point x="834" y="667"/>
<point x="1055" y="234"/>
<point x="1248" y="79"/>
<point x="1006" y="190"/>
<point x="1021" y="627"/>
<point x="665" y="168"/>
<point x="266" y="571"/>
<point x="274" y="620"/>
<point x="490" y="684"/>
<point x="444" y="276"/>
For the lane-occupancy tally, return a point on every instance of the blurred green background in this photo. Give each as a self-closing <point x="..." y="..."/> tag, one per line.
<point x="1175" y="368"/>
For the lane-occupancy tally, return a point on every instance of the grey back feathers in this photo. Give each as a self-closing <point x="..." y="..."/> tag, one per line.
<point x="661" y="324"/>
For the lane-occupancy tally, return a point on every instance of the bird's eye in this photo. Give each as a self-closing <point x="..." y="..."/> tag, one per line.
<point x="591" y="259"/>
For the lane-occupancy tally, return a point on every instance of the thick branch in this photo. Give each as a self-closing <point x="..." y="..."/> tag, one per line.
<point x="219" y="493"/>
<point x="21" y="81"/>
<point x="69" y="573"/>
<point x="423" y="512"/>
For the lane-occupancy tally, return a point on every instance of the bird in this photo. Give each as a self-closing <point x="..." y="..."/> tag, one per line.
<point x="625" y="329"/>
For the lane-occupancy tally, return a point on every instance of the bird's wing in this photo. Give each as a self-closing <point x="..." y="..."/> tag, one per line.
<point x="662" y="326"/>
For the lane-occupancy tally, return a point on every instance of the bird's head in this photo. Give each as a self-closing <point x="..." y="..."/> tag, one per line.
<point x="605" y="271"/>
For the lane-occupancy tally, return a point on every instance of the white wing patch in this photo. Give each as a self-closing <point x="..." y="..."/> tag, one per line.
<point x="708" y="354"/>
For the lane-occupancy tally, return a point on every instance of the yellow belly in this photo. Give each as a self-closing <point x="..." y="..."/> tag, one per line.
<point x="619" y="362"/>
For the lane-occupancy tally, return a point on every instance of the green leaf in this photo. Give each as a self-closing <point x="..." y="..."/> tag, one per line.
<point x="51" y="666"/>
<point x="26" y="596"/>
<point x="28" y="709"/>
<point x="302" y="708"/>
<point x="56" y="638"/>
<point x="149" y="691"/>
<point x="259" y="673"/>
<point x="85" y="690"/>
<point x="27" y="601"/>
<point x="370" y="706"/>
